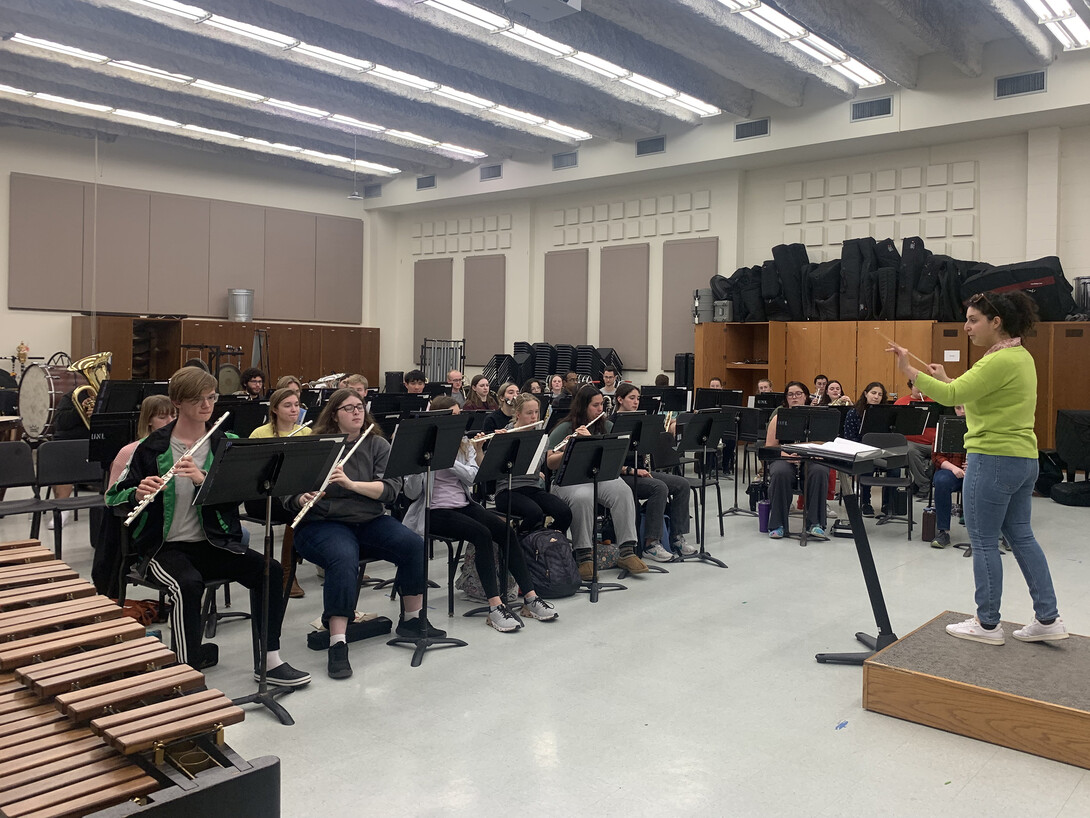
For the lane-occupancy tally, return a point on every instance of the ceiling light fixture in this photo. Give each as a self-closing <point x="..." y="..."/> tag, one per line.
<point x="333" y="57"/>
<point x="158" y="73"/>
<point x="354" y="196"/>
<point x="191" y="13"/>
<point x="252" y="32"/>
<point x="471" y="14"/>
<point x="1062" y="21"/>
<point x="67" y="50"/>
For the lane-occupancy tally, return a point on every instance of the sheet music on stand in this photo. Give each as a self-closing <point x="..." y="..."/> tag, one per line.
<point x="950" y="437"/>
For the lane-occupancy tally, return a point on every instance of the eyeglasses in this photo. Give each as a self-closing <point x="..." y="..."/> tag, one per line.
<point x="796" y="394"/>
<point x="354" y="408"/>
<point x="978" y="297"/>
<point x="210" y="399"/>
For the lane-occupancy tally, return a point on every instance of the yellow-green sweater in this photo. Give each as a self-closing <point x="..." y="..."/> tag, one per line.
<point x="1000" y="397"/>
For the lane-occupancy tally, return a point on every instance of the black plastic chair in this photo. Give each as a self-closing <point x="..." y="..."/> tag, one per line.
<point x="63" y="462"/>
<point x="897" y="442"/>
<point x="666" y="458"/>
<point x="17" y="471"/>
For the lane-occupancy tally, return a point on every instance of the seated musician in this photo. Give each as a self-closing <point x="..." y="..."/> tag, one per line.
<point x="253" y="384"/>
<point x="534" y="386"/>
<point x="528" y="498"/>
<point x="350" y="522"/>
<point x="156" y="411"/>
<point x="784" y="472"/>
<point x="819" y="398"/>
<point x="919" y="446"/>
<point x="874" y="394"/>
<point x="457" y="386"/>
<point x="658" y="489"/>
<point x="949" y="472"/>
<point x="506" y="395"/>
<point x="455" y="515"/>
<point x="181" y="545"/>
<point x="556" y="386"/>
<point x="415" y="381"/>
<point x="609" y="382"/>
<point x="764" y="385"/>
<point x="834" y="391"/>
<point x="479" y="395"/>
<point x="715" y="383"/>
<point x="586" y="406"/>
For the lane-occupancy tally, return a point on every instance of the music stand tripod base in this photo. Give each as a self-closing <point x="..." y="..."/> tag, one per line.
<point x="874" y="644"/>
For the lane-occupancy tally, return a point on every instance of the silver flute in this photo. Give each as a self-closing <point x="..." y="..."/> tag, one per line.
<point x="564" y="442"/>
<point x="340" y="461"/>
<point x="170" y="472"/>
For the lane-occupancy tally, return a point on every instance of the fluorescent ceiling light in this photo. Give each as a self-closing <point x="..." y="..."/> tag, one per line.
<point x="404" y="78"/>
<point x="191" y="13"/>
<point x="538" y="41"/>
<point x="151" y="72"/>
<point x="19" y="92"/>
<point x="332" y="157"/>
<point x="356" y="123"/>
<point x="290" y="148"/>
<point x="412" y="137"/>
<point x="362" y="163"/>
<point x="521" y="116"/>
<point x="597" y="64"/>
<point x="776" y="22"/>
<point x="142" y="117"/>
<point x="695" y="105"/>
<point x="471" y="14"/>
<point x="211" y="131"/>
<point x="225" y="89"/>
<point x="1062" y="22"/>
<point x="75" y="103"/>
<point x="649" y="86"/>
<point x="564" y="130"/>
<point x="48" y="45"/>
<point x="464" y="151"/>
<point x="252" y="32"/>
<point x="462" y="96"/>
<point x="318" y="113"/>
<point x="325" y="55"/>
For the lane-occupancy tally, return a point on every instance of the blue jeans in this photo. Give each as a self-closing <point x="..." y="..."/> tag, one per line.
<point x="996" y="496"/>
<point x="339" y="547"/>
<point x="945" y="486"/>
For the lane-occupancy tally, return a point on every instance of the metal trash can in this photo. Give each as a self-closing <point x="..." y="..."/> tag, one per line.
<point x="240" y="305"/>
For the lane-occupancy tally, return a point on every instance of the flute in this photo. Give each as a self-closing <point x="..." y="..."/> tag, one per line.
<point x="301" y="428"/>
<point x="170" y="472"/>
<point x="321" y="491"/>
<point x="537" y="425"/>
<point x="564" y="442"/>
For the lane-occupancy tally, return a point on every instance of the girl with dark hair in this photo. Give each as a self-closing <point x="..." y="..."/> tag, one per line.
<point x="834" y="391"/>
<point x="874" y="394"/>
<point x="587" y="406"/>
<point x="350" y="522"/>
<point x="1000" y="396"/>
<point x="479" y="395"/>
<point x="785" y="471"/>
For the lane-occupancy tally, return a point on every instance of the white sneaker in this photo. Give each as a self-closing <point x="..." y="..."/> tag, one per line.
<point x="1036" y="632"/>
<point x="972" y="630"/>
<point x="502" y="620"/>
<point x="654" y="550"/>
<point x="65" y="517"/>
<point x="687" y="549"/>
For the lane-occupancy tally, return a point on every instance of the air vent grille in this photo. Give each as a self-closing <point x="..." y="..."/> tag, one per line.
<point x="1018" y="84"/>
<point x="569" y="159"/>
<point x="872" y="108"/>
<point x="654" y="144"/>
<point x="491" y="172"/>
<point x="752" y="129"/>
<point x="372" y="191"/>
<point x="425" y="182"/>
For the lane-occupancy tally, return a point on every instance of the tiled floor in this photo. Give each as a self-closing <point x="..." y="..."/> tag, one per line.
<point x="691" y="693"/>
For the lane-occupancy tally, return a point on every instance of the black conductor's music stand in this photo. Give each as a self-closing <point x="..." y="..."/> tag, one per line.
<point x="703" y="430"/>
<point x="643" y="430"/>
<point x="514" y="452"/>
<point x="261" y="470"/>
<point x="593" y="460"/>
<point x="425" y="444"/>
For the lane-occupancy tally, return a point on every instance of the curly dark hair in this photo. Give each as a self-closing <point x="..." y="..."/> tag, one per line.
<point x="1017" y="312"/>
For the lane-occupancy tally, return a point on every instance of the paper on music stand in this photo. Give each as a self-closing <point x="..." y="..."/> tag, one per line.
<point x="535" y="462"/>
<point x="840" y="447"/>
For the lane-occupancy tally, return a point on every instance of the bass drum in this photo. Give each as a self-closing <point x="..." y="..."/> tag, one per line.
<point x="230" y="379"/>
<point x="40" y="392"/>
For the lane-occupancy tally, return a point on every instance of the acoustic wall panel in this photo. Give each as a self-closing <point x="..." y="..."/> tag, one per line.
<point x="178" y="264"/>
<point x="290" y="239"/>
<point x="116" y="249"/>
<point x="338" y="270"/>
<point x="236" y="255"/>
<point x="687" y="265"/>
<point x="45" y="249"/>
<point x="624" y="302"/>
<point x="484" y="308"/>
<point x="566" y="273"/>
<point x="433" y="292"/>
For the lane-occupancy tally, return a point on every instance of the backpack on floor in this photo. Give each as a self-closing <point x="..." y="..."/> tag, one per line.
<point x="469" y="581"/>
<point x="550" y="562"/>
<point x="1072" y="494"/>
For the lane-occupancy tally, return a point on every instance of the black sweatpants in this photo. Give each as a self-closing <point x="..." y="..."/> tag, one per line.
<point x="481" y="527"/>
<point x="532" y="504"/>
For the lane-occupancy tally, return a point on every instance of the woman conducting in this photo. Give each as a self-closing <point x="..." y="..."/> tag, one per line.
<point x="1000" y="397"/>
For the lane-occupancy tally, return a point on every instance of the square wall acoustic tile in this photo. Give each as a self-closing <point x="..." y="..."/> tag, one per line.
<point x="478" y="221"/>
<point x="440" y="228"/>
<point x="571" y="236"/>
<point x="452" y="226"/>
<point x="962" y="224"/>
<point x="813" y="236"/>
<point x="885" y="180"/>
<point x="439" y="246"/>
<point x="648" y="227"/>
<point x="416" y="231"/>
<point x="911" y="227"/>
<point x="910" y="203"/>
<point x="885" y="229"/>
<point x="684" y="201"/>
<point x="792" y="235"/>
<point x="815" y="212"/>
<point x="937" y="175"/>
<point x="466" y="225"/>
<point x="586" y="214"/>
<point x="935" y="227"/>
<point x="885" y="205"/>
<point x="505" y="222"/>
<point x="492" y="241"/>
<point x="648" y="207"/>
<point x="492" y="222"/>
<point x="792" y="214"/>
<point x="666" y="225"/>
<point x="838" y="185"/>
<point x="666" y="204"/>
<point x="632" y="208"/>
<point x="936" y="201"/>
<point x="963" y="249"/>
<point x="429" y="246"/>
<point x="792" y="191"/>
<point x="632" y="229"/>
<point x="558" y="218"/>
<point x="836" y="233"/>
<point x="601" y="212"/>
<point x="465" y="243"/>
<point x="684" y="223"/>
<point x="838" y="210"/>
<point x="815" y="188"/>
<point x="616" y="231"/>
<point x="586" y="233"/>
<point x="861" y="208"/>
<point x="859" y="230"/>
<point x="505" y="240"/>
<point x="429" y="228"/>
<point x="415" y="247"/>
<point x="861" y="183"/>
<point x="601" y="232"/>
<point x="911" y="177"/>
<point x="964" y="198"/>
<point x="616" y="210"/>
<point x="702" y="199"/>
<point x="571" y="216"/>
<point x="962" y="172"/>
<point x="702" y="221"/>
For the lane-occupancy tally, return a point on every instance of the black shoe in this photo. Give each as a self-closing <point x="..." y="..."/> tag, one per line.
<point x="208" y="656"/>
<point x="867" y="510"/>
<point x="412" y="628"/>
<point x="337" y="665"/>
<point x="284" y="675"/>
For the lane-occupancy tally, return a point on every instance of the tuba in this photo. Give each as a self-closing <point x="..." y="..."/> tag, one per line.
<point x="96" y="369"/>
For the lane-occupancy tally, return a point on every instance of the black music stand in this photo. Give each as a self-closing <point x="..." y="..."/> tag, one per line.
<point x="507" y="455"/>
<point x="950" y="439"/>
<point x="592" y="460"/>
<point x="260" y="470"/>
<point x="425" y="444"/>
<point x="861" y="464"/>
<point x="747" y="428"/>
<point x="803" y="424"/>
<point x="703" y="429"/>
<point x="643" y="432"/>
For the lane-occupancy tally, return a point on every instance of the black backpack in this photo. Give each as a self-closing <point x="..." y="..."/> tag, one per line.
<point x="551" y="564"/>
<point x="1050" y="471"/>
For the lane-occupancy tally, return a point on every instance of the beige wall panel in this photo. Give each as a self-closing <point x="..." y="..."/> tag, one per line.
<point x="178" y="280"/>
<point x="484" y="310"/>
<point x="566" y="297"/>
<point x="290" y="238"/>
<point x="116" y="247"/>
<point x="45" y="252"/>
<point x="236" y="255"/>
<point x="338" y="270"/>
<point x="686" y="265"/>
<point x="624" y="302"/>
<point x="433" y="291"/>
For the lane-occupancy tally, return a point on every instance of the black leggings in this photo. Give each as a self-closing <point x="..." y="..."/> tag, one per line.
<point x="532" y="504"/>
<point x="482" y="528"/>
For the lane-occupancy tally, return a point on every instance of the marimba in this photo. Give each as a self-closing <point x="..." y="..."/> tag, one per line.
<point x="97" y="718"/>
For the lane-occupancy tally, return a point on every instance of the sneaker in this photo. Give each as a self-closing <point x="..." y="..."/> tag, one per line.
<point x="285" y="675"/>
<point x="586" y="571"/>
<point x="337" y="665"/>
<point x="818" y="533"/>
<point x="687" y="549"/>
<point x="942" y="539"/>
<point x="413" y="628"/>
<point x="972" y="630"/>
<point x="502" y="619"/>
<point x="655" y="551"/>
<point x="632" y="564"/>
<point x="867" y="510"/>
<point x="538" y="608"/>
<point x="776" y="533"/>
<point x="1036" y="632"/>
<point x="65" y="517"/>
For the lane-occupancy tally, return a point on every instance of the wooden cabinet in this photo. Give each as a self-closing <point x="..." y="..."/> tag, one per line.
<point x="950" y="347"/>
<point x="104" y="333"/>
<point x="739" y="354"/>
<point x="340" y="350"/>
